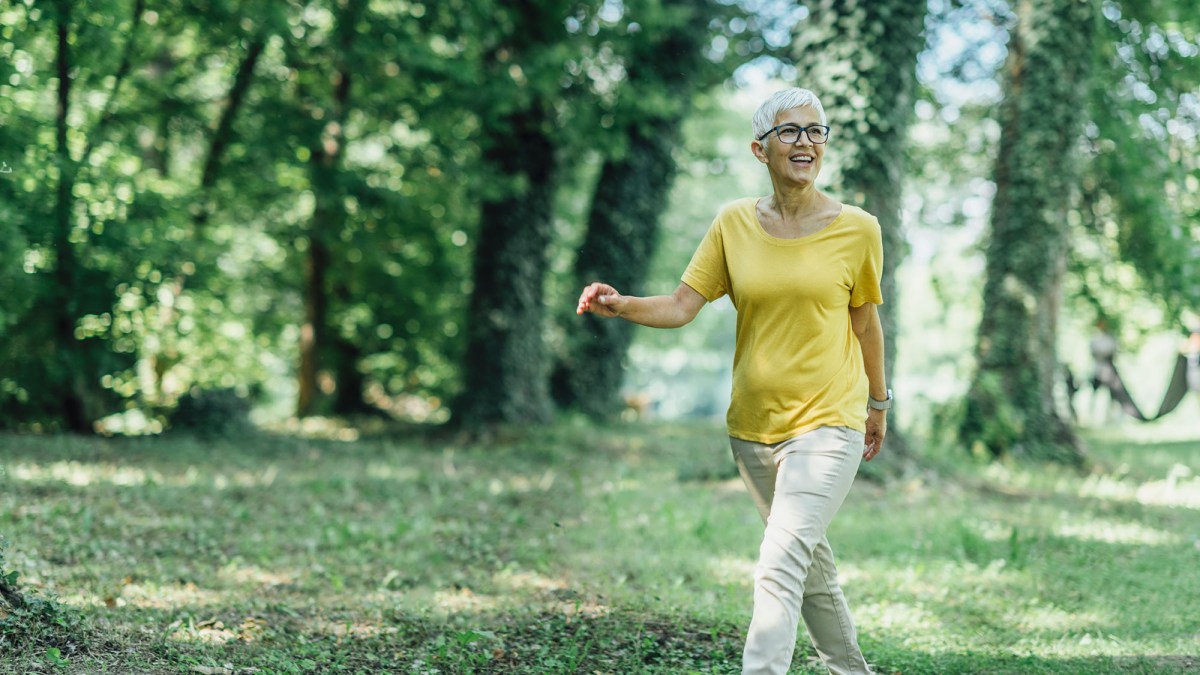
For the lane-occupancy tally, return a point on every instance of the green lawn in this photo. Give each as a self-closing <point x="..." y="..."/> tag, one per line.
<point x="575" y="549"/>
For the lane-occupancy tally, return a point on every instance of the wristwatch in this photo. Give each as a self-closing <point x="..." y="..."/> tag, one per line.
<point x="880" y="405"/>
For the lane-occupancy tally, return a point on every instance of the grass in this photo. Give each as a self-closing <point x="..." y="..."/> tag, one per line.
<point x="575" y="549"/>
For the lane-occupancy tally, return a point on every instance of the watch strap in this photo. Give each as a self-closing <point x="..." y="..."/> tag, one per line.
<point x="880" y="405"/>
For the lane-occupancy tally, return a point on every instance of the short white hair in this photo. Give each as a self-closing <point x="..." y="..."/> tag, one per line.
<point x="795" y="97"/>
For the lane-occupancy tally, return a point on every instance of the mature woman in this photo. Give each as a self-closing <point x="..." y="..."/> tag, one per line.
<point x="809" y="399"/>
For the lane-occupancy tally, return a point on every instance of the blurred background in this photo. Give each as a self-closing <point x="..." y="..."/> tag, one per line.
<point x="385" y="209"/>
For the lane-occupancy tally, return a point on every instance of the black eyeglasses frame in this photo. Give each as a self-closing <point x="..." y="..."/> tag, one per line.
<point x="775" y="130"/>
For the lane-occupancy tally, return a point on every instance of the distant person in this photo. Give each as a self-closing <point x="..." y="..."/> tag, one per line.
<point x="1191" y="352"/>
<point x="1103" y="347"/>
<point x="809" y="399"/>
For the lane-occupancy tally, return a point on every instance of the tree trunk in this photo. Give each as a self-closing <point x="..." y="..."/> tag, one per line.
<point x="1010" y="406"/>
<point x="351" y="383"/>
<point x="316" y="310"/>
<point x="66" y="270"/>
<point x="622" y="232"/>
<point x="505" y="367"/>
<point x="329" y="216"/>
<point x="628" y="201"/>
<point x="869" y="99"/>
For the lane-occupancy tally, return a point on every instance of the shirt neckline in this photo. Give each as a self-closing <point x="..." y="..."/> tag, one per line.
<point x="792" y="241"/>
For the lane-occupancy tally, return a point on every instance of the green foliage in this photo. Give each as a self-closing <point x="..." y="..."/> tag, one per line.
<point x="36" y="624"/>
<point x="211" y="412"/>
<point x="989" y="420"/>
<point x="1144" y="111"/>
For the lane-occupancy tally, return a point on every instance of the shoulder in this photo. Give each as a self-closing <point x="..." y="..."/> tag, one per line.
<point x="738" y="210"/>
<point x="860" y="219"/>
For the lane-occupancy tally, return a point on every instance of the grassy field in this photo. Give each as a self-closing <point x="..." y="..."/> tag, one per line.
<point x="574" y="550"/>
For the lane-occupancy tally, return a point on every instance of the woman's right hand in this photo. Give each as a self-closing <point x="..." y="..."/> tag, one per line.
<point x="601" y="300"/>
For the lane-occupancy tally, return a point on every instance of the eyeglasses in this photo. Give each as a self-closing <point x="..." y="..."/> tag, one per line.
<point x="790" y="133"/>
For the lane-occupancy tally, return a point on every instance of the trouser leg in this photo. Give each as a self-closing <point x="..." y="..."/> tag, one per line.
<point x="798" y="485"/>
<point x="827" y="616"/>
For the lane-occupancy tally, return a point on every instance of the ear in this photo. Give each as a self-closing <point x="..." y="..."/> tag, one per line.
<point x="760" y="150"/>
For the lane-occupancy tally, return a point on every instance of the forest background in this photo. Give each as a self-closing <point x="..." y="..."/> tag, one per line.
<point x="322" y="209"/>
<point x="287" y="301"/>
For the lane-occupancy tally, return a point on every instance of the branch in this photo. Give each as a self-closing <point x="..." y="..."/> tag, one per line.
<point x="139" y="7"/>
<point x="237" y="93"/>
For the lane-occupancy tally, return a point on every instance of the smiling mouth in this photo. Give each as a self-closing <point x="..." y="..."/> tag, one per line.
<point x="801" y="159"/>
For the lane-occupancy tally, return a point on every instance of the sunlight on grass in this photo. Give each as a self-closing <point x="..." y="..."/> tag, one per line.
<point x="215" y="632"/>
<point x="81" y="474"/>
<point x="522" y="484"/>
<point x="1180" y="488"/>
<point x="731" y="570"/>
<point x="155" y="596"/>
<point x="150" y="595"/>
<point x="392" y="472"/>
<point x="346" y="629"/>
<point x="253" y="575"/>
<point x="522" y="580"/>
<point x="1040" y="619"/>
<point x="460" y="600"/>
<point x="1114" y="532"/>
<point x="893" y="617"/>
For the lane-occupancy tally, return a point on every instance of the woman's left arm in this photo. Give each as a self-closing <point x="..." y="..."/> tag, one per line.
<point x="865" y="320"/>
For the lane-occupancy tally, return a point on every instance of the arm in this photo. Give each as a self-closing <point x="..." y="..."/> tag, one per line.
<point x="865" y="321"/>
<point x="659" y="311"/>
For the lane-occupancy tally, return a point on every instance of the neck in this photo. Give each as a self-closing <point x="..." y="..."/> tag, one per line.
<point x="796" y="200"/>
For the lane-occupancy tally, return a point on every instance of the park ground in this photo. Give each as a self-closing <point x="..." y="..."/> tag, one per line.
<point x="574" y="549"/>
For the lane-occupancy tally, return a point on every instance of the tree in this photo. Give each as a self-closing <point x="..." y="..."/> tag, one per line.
<point x="1010" y="406"/>
<point x="326" y="149"/>
<point x="505" y="366"/>
<point x="663" y="53"/>
<point x="348" y="165"/>
<point x="860" y="58"/>
<point x="55" y="350"/>
<point x="1148" y="219"/>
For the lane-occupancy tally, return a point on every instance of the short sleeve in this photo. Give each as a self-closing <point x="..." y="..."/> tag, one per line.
<point x="866" y="281"/>
<point x="708" y="272"/>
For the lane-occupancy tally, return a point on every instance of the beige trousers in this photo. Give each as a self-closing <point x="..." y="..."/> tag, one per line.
<point x="798" y="485"/>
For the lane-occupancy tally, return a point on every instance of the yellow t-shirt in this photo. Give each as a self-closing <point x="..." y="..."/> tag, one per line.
<point x="797" y="364"/>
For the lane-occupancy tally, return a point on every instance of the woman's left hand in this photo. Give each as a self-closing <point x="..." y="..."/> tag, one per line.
<point x="876" y="430"/>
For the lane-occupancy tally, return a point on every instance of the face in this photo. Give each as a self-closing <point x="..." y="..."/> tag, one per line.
<point x="798" y="162"/>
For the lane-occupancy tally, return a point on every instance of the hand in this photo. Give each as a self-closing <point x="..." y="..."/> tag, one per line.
<point x="876" y="430"/>
<point x="601" y="300"/>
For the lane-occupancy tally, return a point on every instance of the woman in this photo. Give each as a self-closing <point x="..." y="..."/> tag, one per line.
<point x="803" y="272"/>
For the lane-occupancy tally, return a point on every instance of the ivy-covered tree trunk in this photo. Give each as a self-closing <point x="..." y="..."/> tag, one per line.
<point x="506" y="364"/>
<point x="664" y="70"/>
<point x="505" y="368"/>
<point x="1010" y="406"/>
<point x="861" y="59"/>
<point x="622" y="232"/>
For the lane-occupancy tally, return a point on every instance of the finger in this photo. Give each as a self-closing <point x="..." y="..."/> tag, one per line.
<point x="586" y="297"/>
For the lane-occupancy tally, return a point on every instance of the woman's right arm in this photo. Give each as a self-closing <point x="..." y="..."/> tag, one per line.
<point x="658" y="311"/>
